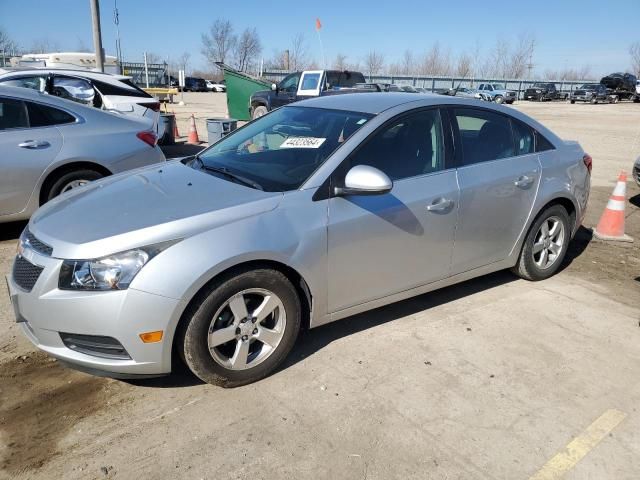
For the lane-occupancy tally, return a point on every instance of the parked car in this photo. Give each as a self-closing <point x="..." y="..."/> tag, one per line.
<point x="468" y="93"/>
<point x="300" y="85"/>
<point x="621" y="86"/>
<point x="312" y="213"/>
<point x="496" y="92"/>
<point x="215" y="86"/>
<point x="543" y="91"/>
<point x="193" y="84"/>
<point x="636" y="171"/>
<point x="421" y="90"/>
<point x="590" y="92"/>
<point x="116" y="93"/>
<point x="409" y="89"/>
<point x="51" y="146"/>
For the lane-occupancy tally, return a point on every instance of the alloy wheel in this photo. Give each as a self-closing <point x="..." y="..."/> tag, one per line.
<point x="548" y="243"/>
<point x="247" y="329"/>
<point x="74" y="184"/>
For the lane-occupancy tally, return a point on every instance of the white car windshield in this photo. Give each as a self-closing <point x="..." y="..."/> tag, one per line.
<point x="278" y="152"/>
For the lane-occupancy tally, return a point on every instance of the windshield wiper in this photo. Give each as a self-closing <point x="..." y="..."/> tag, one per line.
<point x="233" y="176"/>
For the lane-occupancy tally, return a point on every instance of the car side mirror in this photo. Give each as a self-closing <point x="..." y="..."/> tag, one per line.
<point x="274" y="87"/>
<point x="364" y="180"/>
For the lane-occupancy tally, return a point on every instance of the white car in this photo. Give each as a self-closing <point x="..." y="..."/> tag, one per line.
<point x="114" y="93"/>
<point x="216" y="87"/>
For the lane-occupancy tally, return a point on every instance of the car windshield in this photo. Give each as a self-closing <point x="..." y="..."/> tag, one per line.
<point x="540" y="85"/>
<point x="280" y="151"/>
<point x="497" y="86"/>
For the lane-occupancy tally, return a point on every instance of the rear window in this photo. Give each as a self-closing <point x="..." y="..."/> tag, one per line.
<point x="344" y="79"/>
<point x="484" y="135"/>
<point x="542" y="144"/>
<point x="127" y="90"/>
<point x="12" y="114"/>
<point x="45" y="116"/>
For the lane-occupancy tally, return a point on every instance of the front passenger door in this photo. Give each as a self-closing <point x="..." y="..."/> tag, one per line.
<point x="385" y="244"/>
<point x="498" y="174"/>
<point x="286" y="92"/>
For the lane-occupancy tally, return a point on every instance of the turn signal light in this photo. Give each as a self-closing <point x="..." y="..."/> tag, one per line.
<point x="151" y="337"/>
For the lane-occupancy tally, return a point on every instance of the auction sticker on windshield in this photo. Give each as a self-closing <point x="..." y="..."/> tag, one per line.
<point x="302" y="142"/>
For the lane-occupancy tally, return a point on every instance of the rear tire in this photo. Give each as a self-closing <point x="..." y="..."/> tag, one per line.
<point x="542" y="254"/>
<point x="68" y="181"/>
<point x="572" y="102"/>
<point x="213" y="341"/>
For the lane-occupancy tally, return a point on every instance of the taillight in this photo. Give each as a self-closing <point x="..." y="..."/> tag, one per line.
<point x="588" y="161"/>
<point x="148" y="137"/>
<point x="155" y="106"/>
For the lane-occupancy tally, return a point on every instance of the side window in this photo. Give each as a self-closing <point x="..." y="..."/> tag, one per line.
<point x="484" y="135"/>
<point x="542" y="144"/>
<point x="35" y="82"/>
<point x="481" y="86"/>
<point x="45" y="116"/>
<point x="76" y="89"/>
<point x="310" y="81"/>
<point x="523" y="137"/>
<point x="13" y="114"/>
<point x="290" y="83"/>
<point x="407" y="147"/>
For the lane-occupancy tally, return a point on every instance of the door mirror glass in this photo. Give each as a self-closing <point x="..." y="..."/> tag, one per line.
<point x="274" y="87"/>
<point x="365" y="180"/>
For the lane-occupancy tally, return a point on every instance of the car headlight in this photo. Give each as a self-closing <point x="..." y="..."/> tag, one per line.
<point x="113" y="272"/>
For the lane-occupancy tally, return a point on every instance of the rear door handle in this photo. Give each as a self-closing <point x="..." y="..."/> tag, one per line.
<point x="33" y="144"/>
<point x="440" y="205"/>
<point x="523" y="181"/>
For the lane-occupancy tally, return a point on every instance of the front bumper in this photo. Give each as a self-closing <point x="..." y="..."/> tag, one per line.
<point x="45" y="312"/>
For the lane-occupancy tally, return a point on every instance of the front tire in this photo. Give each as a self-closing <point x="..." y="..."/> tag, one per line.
<point x="499" y="99"/>
<point x="545" y="246"/>
<point x="258" y="112"/>
<point x="242" y="328"/>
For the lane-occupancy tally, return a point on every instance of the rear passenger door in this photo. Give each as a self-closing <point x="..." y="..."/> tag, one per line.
<point x="29" y="142"/>
<point x="498" y="173"/>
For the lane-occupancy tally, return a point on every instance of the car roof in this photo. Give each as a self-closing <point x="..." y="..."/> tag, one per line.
<point x="36" y="96"/>
<point x="78" y="73"/>
<point x="377" y="102"/>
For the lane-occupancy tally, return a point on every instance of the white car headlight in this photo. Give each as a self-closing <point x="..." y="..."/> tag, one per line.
<point x="113" y="272"/>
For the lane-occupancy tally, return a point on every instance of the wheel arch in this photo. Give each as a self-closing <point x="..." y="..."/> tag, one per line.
<point x="296" y="279"/>
<point x="51" y="177"/>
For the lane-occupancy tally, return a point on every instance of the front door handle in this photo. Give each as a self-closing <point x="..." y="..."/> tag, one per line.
<point x="34" y="144"/>
<point x="440" y="205"/>
<point x="523" y="181"/>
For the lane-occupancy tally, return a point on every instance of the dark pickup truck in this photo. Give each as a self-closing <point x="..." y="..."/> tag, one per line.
<point x="300" y="85"/>
<point x="543" y="92"/>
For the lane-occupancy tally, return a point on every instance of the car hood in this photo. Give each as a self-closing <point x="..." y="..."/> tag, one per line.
<point x="147" y="206"/>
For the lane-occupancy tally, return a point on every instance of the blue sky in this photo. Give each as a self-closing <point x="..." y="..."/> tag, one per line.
<point x="568" y="33"/>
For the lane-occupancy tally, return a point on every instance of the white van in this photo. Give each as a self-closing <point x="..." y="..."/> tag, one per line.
<point x="71" y="60"/>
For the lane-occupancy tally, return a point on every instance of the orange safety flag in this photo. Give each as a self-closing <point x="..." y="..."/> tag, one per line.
<point x="318" y="24"/>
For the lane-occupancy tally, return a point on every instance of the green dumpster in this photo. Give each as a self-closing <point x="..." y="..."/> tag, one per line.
<point x="240" y="87"/>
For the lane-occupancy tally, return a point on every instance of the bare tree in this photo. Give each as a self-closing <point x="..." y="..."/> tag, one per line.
<point x="247" y="49"/>
<point x="340" y="63"/>
<point x="298" y="59"/>
<point x="7" y="45"/>
<point x="81" y="46"/>
<point x="436" y="61"/>
<point x="153" y="58"/>
<point x="464" y="65"/>
<point x="519" y="60"/>
<point x="44" y="45"/>
<point x="219" y="42"/>
<point x="408" y="63"/>
<point x="373" y="62"/>
<point x="183" y="61"/>
<point x="634" y="51"/>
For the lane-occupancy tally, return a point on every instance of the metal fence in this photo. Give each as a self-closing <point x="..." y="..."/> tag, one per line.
<point x="438" y="83"/>
<point x="158" y="73"/>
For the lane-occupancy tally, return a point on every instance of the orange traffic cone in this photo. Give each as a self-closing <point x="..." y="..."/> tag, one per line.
<point x="175" y="126"/>
<point x="611" y="224"/>
<point x="193" y="133"/>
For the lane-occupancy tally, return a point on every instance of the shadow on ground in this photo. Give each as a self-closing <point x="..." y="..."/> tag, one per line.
<point x="11" y="230"/>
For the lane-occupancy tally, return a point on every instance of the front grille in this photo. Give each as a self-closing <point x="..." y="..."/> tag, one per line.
<point x="40" y="247"/>
<point x="25" y="273"/>
<point x="95" y="345"/>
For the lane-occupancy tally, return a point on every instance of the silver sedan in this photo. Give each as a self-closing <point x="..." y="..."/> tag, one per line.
<point x="50" y="146"/>
<point x="312" y="213"/>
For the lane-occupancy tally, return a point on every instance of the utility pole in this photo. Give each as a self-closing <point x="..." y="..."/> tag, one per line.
<point x="116" y="21"/>
<point x="97" y="34"/>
